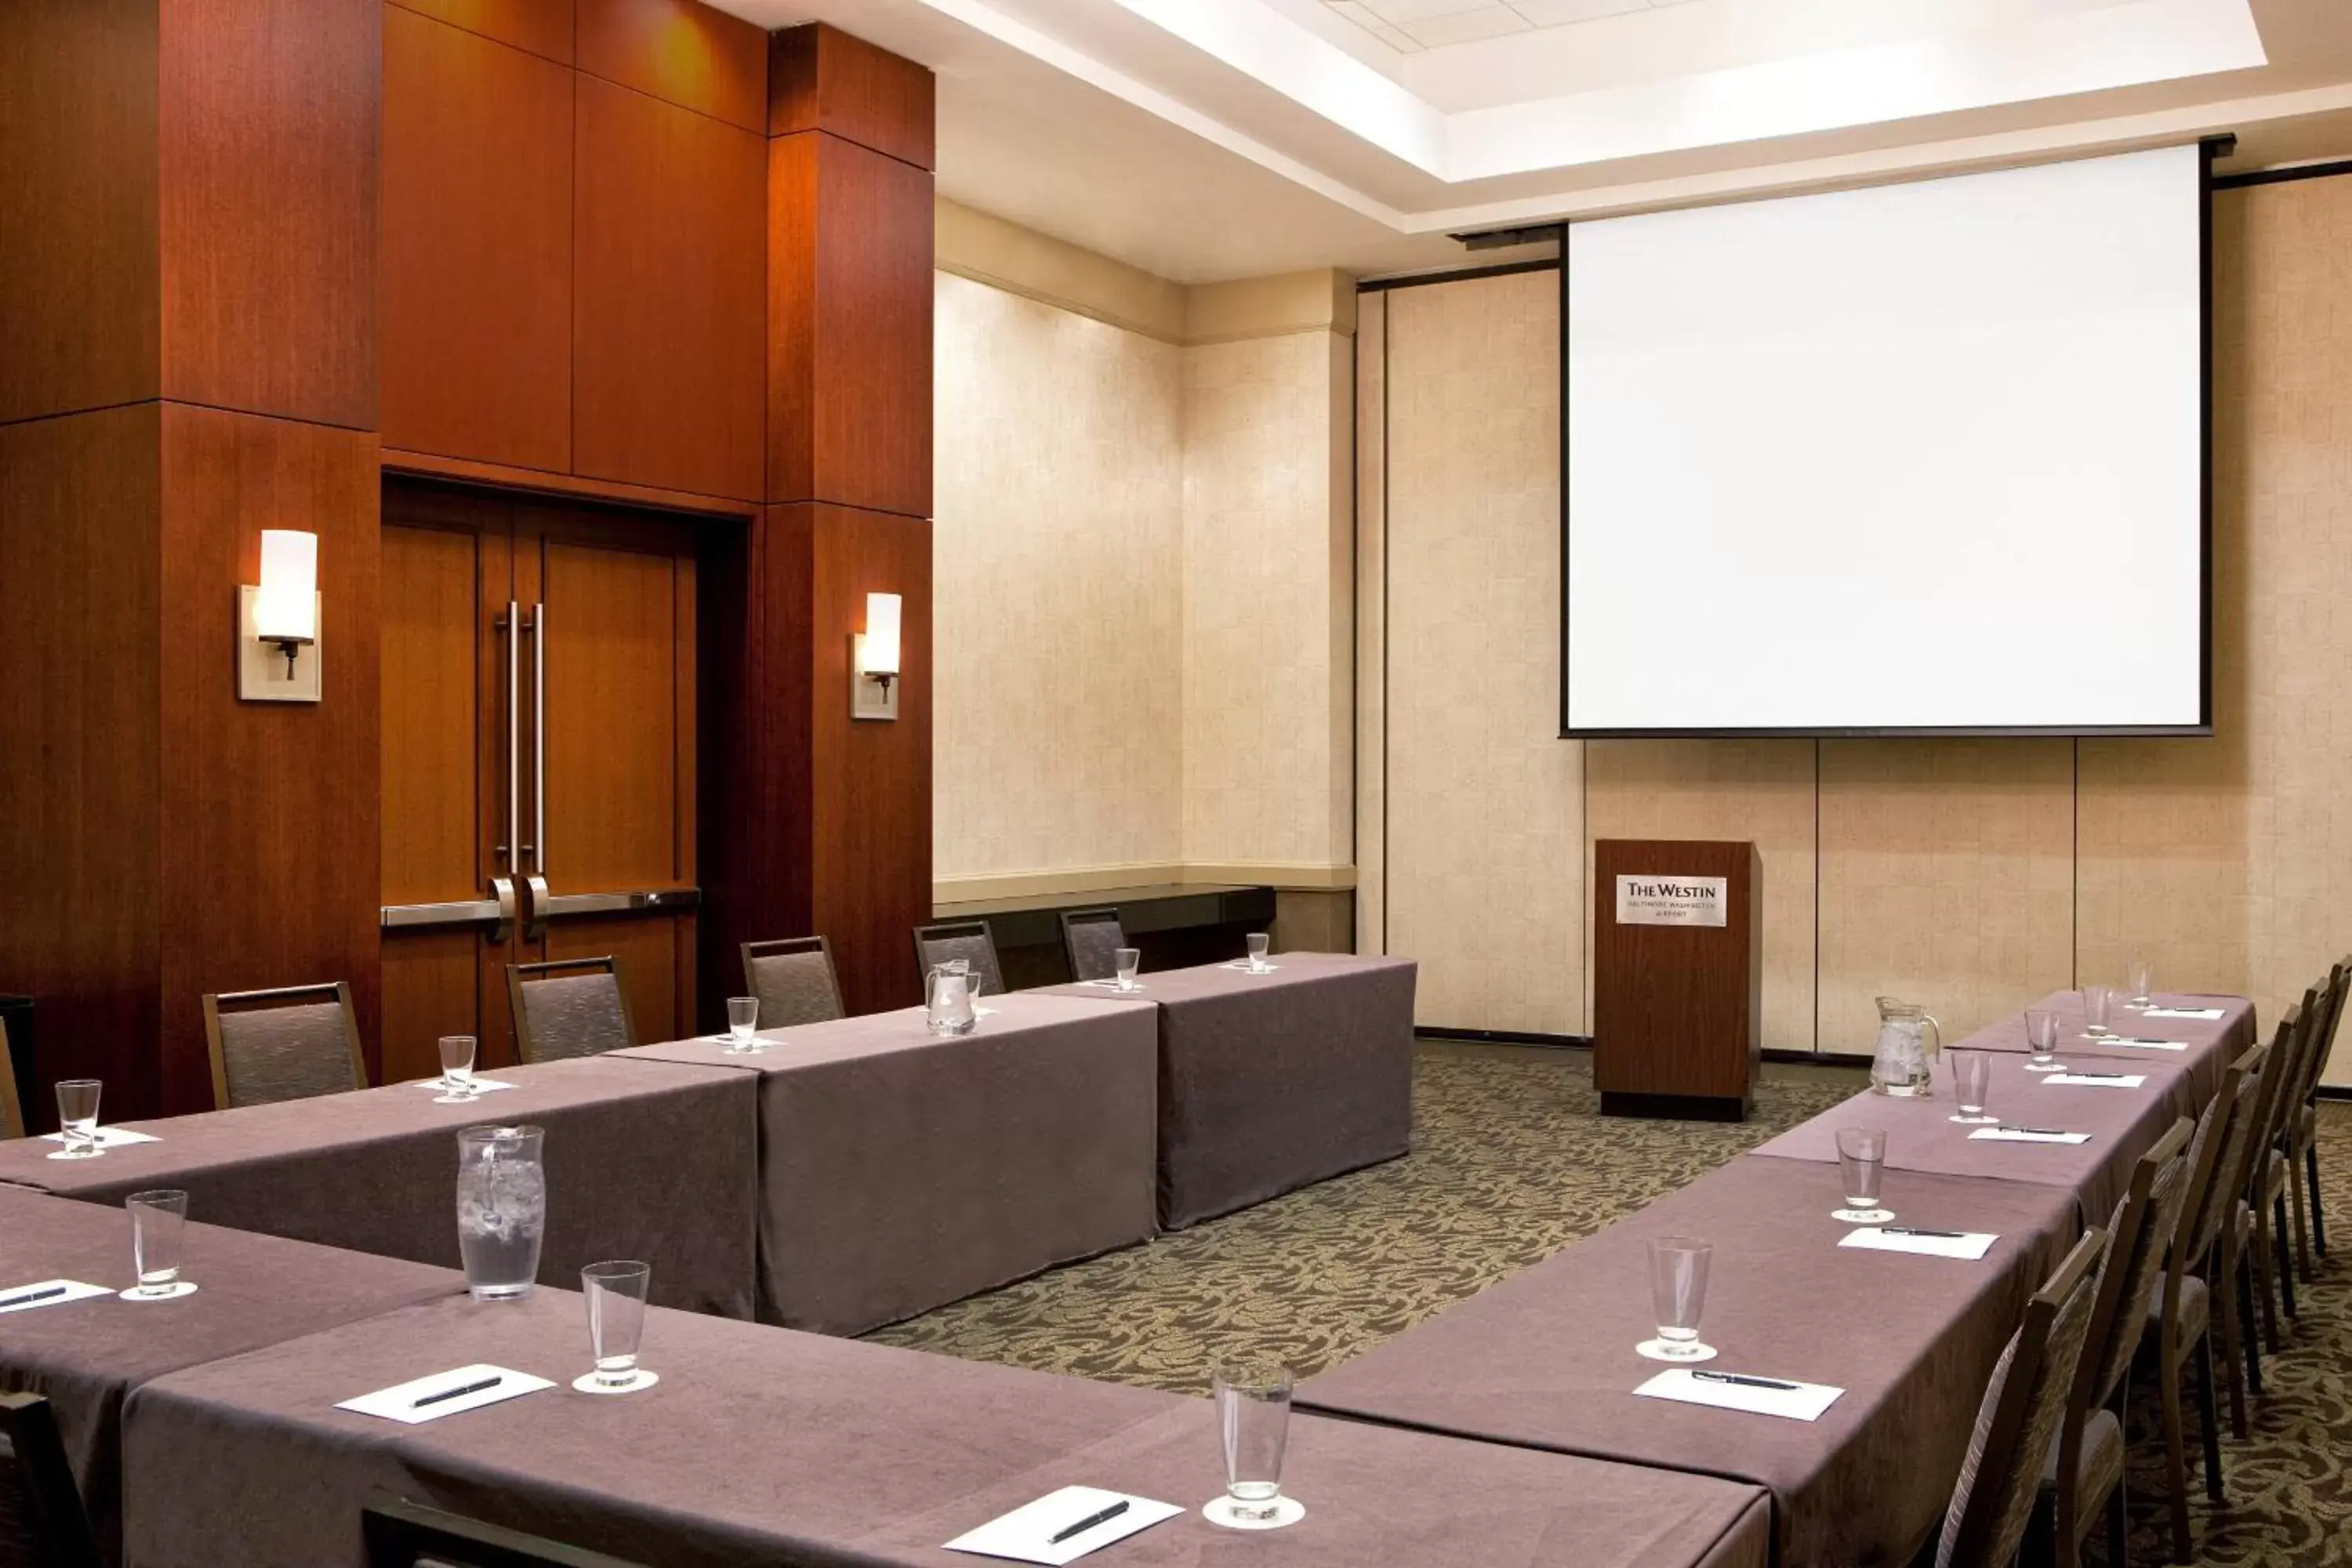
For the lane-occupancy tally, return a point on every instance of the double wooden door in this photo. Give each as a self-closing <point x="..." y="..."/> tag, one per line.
<point x="539" y="744"/>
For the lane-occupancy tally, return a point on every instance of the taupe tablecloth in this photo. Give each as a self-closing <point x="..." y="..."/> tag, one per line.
<point x="761" y="1446"/>
<point x="2212" y="1044"/>
<point x="644" y="1159"/>
<point x="1268" y="1083"/>
<point x="899" y="1169"/>
<point x="1546" y="1359"/>
<point x="87" y="1355"/>
<point x="2123" y="1124"/>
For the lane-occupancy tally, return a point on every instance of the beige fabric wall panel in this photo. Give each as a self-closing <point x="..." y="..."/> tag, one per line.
<point x="1757" y="791"/>
<point x="1371" y="624"/>
<point x="1947" y="879"/>
<point x="1058" y="596"/>
<point x="1486" y="833"/>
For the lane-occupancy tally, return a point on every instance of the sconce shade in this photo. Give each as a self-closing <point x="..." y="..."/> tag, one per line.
<point x="879" y="654"/>
<point x="285" y="606"/>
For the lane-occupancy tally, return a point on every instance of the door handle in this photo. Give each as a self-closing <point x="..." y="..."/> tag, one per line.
<point x="539" y="740"/>
<point x="541" y="906"/>
<point x="503" y="889"/>
<point x="511" y="624"/>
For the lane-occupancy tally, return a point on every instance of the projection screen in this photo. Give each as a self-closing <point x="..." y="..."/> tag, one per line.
<point x="1919" y="458"/>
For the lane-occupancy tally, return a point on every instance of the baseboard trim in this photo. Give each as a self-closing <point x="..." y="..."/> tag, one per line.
<point x="2333" y="1092"/>
<point x="1505" y="1037"/>
<point x="1815" y="1058"/>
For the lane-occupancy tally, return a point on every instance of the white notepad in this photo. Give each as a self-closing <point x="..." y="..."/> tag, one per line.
<point x="1114" y="986"/>
<point x="398" y="1402"/>
<point x="1969" y="1244"/>
<point x="67" y="1290"/>
<point x="1025" y="1534"/>
<point x="2211" y="1015"/>
<point x="2083" y="1081"/>
<point x="2008" y="1135"/>
<point x="110" y="1137"/>
<point x="2135" y="1043"/>
<point x="486" y="1085"/>
<point x="1798" y="1401"/>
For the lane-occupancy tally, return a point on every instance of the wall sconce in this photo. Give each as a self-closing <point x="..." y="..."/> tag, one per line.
<point x="280" y="619"/>
<point x="873" y="660"/>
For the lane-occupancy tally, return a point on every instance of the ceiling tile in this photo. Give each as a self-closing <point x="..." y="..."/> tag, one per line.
<point x="1487" y="22"/>
<point x="1559" y="13"/>
<point x="1400" y="13"/>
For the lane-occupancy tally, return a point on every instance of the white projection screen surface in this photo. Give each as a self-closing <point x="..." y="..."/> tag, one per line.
<point x="1925" y="458"/>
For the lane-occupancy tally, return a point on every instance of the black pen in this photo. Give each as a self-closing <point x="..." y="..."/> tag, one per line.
<point x="30" y="1296"/>
<point x="453" y="1393"/>
<point x="1914" y="1230"/>
<point x="2115" y="1075"/>
<point x="1113" y="1511"/>
<point x="1744" y="1381"/>
<point x="2037" y="1131"/>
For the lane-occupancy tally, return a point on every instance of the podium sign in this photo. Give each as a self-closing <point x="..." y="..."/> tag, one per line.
<point x="1677" y="936"/>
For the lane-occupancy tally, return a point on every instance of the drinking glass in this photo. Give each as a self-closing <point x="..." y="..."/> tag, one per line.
<point x="1253" y="1417"/>
<point x="2095" y="1010"/>
<point x="156" y="1220"/>
<point x="78" y="1117"/>
<point x="1128" y="960"/>
<point x="2140" y="980"/>
<point x="742" y="1024"/>
<point x="1971" y="1079"/>
<point x="1861" y="1160"/>
<point x="1678" y="1266"/>
<point x="502" y="1209"/>
<point x="2041" y="1040"/>
<point x="457" y="1070"/>
<point x="1259" y="943"/>
<point x="615" y="1293"/>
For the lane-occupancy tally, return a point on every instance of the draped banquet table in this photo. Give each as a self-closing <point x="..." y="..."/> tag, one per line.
<point x="761" y="1445"/>
<point x="2212" y="1044"/>
<point x="87" y="1355"/>
<point x="899" y="1169"/>
<point x="1546" y="1359"/>
<point x="1269" y="1083"/>
<point x="643" y="1160"/>
<point x="2123" y="1123"/>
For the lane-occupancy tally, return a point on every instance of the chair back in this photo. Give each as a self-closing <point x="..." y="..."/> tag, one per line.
<point x="2024" y="1405"/>
<point x="1092" y="937"/>
<point x="794" y="981"/>
<point x="568" y="1008"/>
<point x="967" y="939"/>
<point x="42" y="1521"/>
<point x="2269" y="1096"/>
<point x="402" y="1535"/>
<point x="290" y="1043"/>
<point x="12" y="1115"/>
<point x="2200" y="1216"/>
<point x="2137" y="1238"/>
<point x="2330" y="1013"/>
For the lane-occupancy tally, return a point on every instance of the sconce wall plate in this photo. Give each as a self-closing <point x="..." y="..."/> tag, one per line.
<point x="870" y="696"/>
<point x="261" y="666"/>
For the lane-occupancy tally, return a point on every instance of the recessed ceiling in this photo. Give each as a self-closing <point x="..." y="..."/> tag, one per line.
<point x="1411" y="25"/>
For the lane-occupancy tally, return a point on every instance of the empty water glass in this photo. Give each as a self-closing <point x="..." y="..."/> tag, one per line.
<point x="1678" y="1265"/>
<point x="78" y="1117"/>
<point x="2041" y="1040"/>
<point x="2140" y="980"/>
<point x="2095" y="1010"/>
<point x="1253" y="1418"/>
<point x="742" y="1024"/>
<point x="1128" y="960"/>
<point x="1861" y="1160"/>
<point x="157" y="1218"/>
<point x="458" y="1069"/>
<point x="1971" y="1079"/>
<point x="615" y="1293"/>
<point x="1258" y="942"/>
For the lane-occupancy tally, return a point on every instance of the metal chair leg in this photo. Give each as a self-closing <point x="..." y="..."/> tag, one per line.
<point x="2252" y="1336"/>
<point x="2285" y="1265"/>
<point x="2296" y="1208"/>
<point x="2209" y="1423"/>
<point x="2228" y="1320"/>
<point x="2318" y="1209"/>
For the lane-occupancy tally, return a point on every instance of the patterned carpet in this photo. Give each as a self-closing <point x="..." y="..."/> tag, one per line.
<point x="1511" y="1161"/>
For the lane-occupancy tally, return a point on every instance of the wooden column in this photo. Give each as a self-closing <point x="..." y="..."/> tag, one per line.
<point x="188" y="356"/>
<point x="813" y="821"/>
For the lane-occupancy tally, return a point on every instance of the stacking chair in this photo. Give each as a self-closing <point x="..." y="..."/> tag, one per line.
<point x="287" y="1044"/>
<point x="2300" y="1124"/>
<point x="2263" y="1183"/>
<point x="42" y="1521"/>
<point x="400" y="1534"/>
<point x="794" y="979"/>
<point x="568" y="1008"/>
<point x="2236" y="1272"/>
<point x="12" y="1115"/>
<point x="967" y="939"/>
<point x="2082" y="1478"/>
<point x="2181" y="1318"/>
<point x="1092" y="938"/>
<point x="2023" y="1407"/>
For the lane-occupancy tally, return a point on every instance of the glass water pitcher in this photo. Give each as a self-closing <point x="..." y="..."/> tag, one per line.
<point x="1908" y="1039"/>
<point x="947" y="1002"/>
<point x="502" y="1209"/>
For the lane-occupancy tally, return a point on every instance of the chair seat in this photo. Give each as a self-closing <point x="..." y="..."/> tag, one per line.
<point x="2101" y="1469"/>
<point x="2196" y="1313"/>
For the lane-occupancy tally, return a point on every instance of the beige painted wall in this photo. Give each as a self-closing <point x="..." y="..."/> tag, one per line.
<point x="1966" y="875"/>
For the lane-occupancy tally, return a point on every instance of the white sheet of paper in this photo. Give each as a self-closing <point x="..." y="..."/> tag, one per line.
<point x="1115" y="985"/>
<point x="2003" y="1135"/>
<point x="2082" y="1080"/>
<point x="398" y="1402"/>
<point x="1804" y="1402"/>
<point x="486" y="1085"/>
<point x="75" y="1290"/>
<point x="1969" y="1244"/>
<point x="1023" y="1535"/>
<point x="1243" y="964"/>
<point x="110" y="1137"/>
<point x="2135" y="1043"/>
<point x="2211" y="1015"/>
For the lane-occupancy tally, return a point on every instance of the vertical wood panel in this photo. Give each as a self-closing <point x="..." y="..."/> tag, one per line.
<point x="477" y="351"/>
<point x="432" y="719"/>
<point x="431" y="987"/>
<point x="668" y="304"/>
<point x="543" y="26"/>
<point x="648" y="950"/>
<point x="821" y="79"/>
<point x="682" y="53"/>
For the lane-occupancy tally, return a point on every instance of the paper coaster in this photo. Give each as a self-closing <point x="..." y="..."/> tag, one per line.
<point x="77" y="1154"/>
<point x="1287" y="1511"/>
<point x="178" y="1288"/>
<point x="1863" y="1216"/>
<point x="1659" y="1349"/>
<point x="638" y="1381"/>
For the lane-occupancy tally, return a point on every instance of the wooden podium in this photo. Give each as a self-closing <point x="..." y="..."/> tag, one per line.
<point x="1677" y="940"/>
